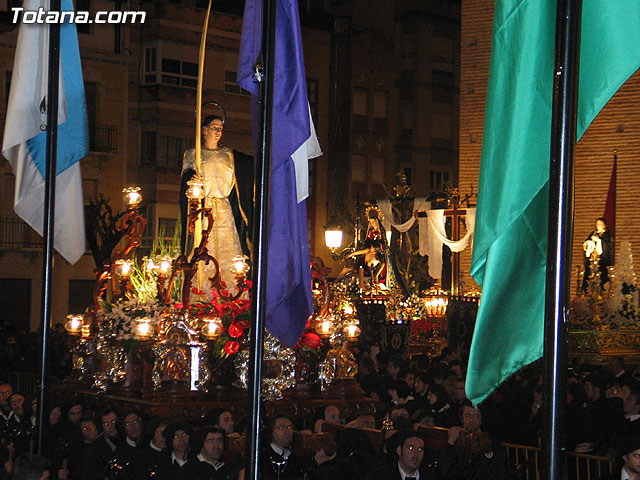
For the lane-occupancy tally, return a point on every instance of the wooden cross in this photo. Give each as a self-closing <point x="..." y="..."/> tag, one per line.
<point x="455" y="212"/>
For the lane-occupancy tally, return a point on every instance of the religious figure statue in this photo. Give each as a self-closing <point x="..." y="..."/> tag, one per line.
<point x="402" y="190"/>
<point x="172" y="355"/>
<point x="599" y="247"/>
<point x="228" y="186"/>
<point x="370" y="257"/>
<point x="340" y="363"/>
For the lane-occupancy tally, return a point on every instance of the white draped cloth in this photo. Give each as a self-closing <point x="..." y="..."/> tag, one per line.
<point x="431" y="231"/>
<point x="419" y="204"/>
<point x="437" y="235"/>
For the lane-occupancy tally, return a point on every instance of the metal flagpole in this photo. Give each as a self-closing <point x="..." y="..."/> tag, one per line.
<point x="560" y="233"/>
<point x="49" y="207"/>
<point x="261" y="210"/>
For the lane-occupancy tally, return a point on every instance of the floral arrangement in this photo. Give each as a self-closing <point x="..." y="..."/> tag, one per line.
<point x="117" y="321"/>
<point x="345" y="290"/>
<point x="308" y="347"/>
<point x="411" y="308"/>
<point x="617" y="309"/>
<point x="615" y="316"/>
<point x="232" y="318"/>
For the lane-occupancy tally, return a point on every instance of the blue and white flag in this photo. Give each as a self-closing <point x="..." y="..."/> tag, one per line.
<point x="293" y="142"/>
<point x="24" y="143"/>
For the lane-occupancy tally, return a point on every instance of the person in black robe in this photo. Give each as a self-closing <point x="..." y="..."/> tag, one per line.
<point x="471" y="454"/>
<point x="209" y="463"/>
<point x="147" y="462"/>
<point x="599" y="242"/>
<point x="278" y="462"/>
<point x="96" y="452"/>
<point x="177" y="436"/>
<point x="409" y="450"/>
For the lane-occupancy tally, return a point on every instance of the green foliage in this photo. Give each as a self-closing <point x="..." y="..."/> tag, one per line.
<point x="144" y="281"/>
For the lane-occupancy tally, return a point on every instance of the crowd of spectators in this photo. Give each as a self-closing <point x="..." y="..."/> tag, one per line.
<point x="22" y="350"/>
<point x="602" y="418"/>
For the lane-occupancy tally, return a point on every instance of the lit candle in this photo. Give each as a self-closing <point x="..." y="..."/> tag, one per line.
<point x="132" y="196"/>
<point x="196" y="188"/>
<point x="165" y="265"/>
<point x="150" y="265"/>
<point x="239" y="266"/>
<point x="212" y="328"/>
<point x="125" y="267"/>
<point x="143" y="328"/>
<point x="352" y="331"/>
<point x="74" y="324"/>
<point x="324" y="327"/>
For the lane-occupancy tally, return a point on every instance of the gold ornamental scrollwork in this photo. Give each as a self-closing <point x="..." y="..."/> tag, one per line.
<point x="599" y="346"/>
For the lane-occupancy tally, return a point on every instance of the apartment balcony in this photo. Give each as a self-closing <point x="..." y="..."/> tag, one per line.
<point x="15" y="234"/>
<point x="103" y="138"/>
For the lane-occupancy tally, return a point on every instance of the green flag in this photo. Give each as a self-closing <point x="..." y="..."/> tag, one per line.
<point x="510" y="244"/>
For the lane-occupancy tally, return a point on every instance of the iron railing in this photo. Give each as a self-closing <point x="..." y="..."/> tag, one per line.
<point x="28" y="383"/>
<point x="103" y="138"/>
<point x="578" y="466"/>
<point x="15" y="234"/>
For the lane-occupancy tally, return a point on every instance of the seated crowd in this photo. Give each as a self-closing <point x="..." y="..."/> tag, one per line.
<point x="404" y="442"/>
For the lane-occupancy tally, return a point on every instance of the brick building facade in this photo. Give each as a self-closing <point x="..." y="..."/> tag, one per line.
<point x="616" y="127"/>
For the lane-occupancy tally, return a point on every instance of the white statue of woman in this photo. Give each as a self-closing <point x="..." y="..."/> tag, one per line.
<point x="222" y="195"/>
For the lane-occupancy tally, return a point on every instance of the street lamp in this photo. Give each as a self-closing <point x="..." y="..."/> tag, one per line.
<point x="333" y="234"/>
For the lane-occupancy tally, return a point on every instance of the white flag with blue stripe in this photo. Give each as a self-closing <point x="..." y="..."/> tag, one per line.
<point x="24" y="143"/>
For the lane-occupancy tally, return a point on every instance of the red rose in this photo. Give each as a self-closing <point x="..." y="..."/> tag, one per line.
<point x="243" y="323"/>
<point x="310" y="340"/>
<point x="231" y="347"/>
<point x="235" y="330"/>
<point x="179" y="306"/>
<point x="242" y="305"/>
<point x="222" y="309"/>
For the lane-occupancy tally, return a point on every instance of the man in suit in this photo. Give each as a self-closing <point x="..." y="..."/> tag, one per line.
<point x="410" y="452"/>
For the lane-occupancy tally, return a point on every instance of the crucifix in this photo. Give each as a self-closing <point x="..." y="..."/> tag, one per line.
<point x="455" y="213"/>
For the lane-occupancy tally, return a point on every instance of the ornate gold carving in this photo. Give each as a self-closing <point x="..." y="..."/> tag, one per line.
<point x="598" y="346"/>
